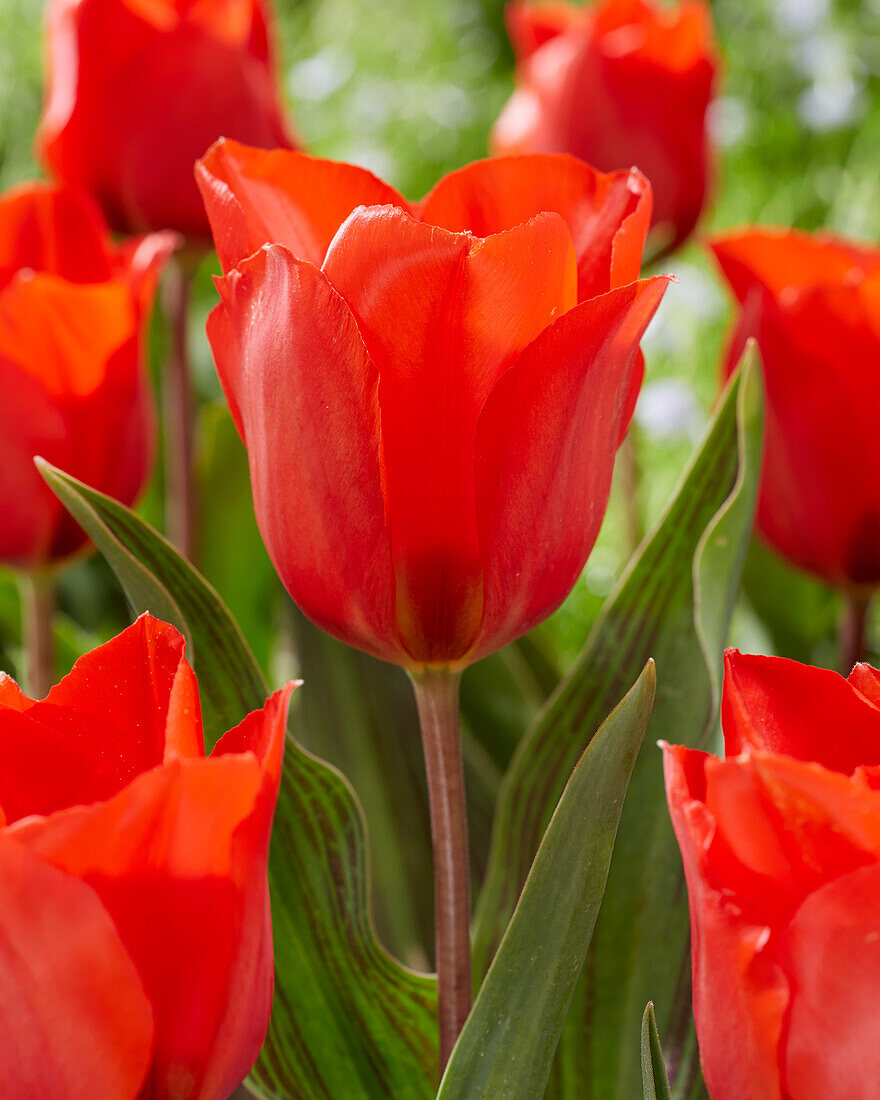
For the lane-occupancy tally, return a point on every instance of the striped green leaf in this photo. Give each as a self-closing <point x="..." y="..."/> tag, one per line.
<point x="674" y="603"/>
<point x="348" y="1020"/>
<point x="655" y="1083"/>
<point x="506" y="1048"/>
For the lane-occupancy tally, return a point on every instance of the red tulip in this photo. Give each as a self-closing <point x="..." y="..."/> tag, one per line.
<point x="138" y="89"/>
<point x="622" y="82"/>
<point x="73" y="309"/>
<point x="781" y="849"/>
<point x="135" y="936"/>
<point x="431" y="414"/>
<point x="813" y="303"/>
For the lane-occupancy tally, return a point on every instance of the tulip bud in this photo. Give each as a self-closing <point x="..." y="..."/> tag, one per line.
<point x="781" y="849"/>
<point x="617" y="83"/>
<point x="135" y="936"/>
<point x="431" y="396"/>
<point x="138" y="89"/>
<point x="812" y="302"/>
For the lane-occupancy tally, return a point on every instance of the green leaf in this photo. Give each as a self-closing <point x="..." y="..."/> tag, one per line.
<point x="507" y="1045"/>
<point x="674" y="603"/>
<point x="348" y="1020"/>
<point x="655" y="1083"/>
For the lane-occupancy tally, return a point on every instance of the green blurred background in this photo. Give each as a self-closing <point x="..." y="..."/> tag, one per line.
<point x="410" y="91"/>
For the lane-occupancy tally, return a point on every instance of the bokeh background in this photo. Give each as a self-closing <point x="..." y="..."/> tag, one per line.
<point x="410" y="90"/>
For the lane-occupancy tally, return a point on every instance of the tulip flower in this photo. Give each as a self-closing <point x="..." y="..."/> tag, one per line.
<point x="781" y="850"/>
<point x="617" y="83"/>
<point x="813" y="304"/>
<point x="431" y="397"/>
<point x="135" y="936"/>
<point x="73" y="309"/>
<point x="138" y="89"/>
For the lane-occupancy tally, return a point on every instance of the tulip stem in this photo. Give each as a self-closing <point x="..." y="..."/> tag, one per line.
<point x="437" y="701"/>
<point x="37" y="614"/>
<point x="178" y="409"/>
<point x="851" y="632"/>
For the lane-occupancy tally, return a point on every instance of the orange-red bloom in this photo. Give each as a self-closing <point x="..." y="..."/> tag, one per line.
<point x="813" y="303"/>
<point x="137" y="91"/>
<point x="617" y="83"/>
<point x="73" y="309"/>
<point x="431" y="396"/>
<point x="781" y="850"/>
<point x="135" y="936"/>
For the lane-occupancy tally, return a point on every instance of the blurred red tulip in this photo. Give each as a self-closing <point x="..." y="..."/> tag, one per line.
<point x="431" y="397"/>
<point x="813" y="304"/>
<point x="781" y="850"/>
<point x="135" y="936"/>
<point x="73" y="310"/>
<point x="138" y="89"/>
<point x="622" y="82"/>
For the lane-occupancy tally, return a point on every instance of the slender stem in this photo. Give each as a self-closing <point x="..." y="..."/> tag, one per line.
<point x="437" y="701"/>
<point x="630" y="483"/>
<point x="37" y="613"/>
<point x="178" y="411"/>
<point x="851" y="630"/>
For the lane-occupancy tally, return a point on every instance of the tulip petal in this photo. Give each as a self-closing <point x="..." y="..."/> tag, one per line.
<point x="781" y="706"/>
<point x="79" y="344"/>
<point x="866" y="681"/>
<point x="255" y="197"/>
<point x="545" y="455"/>
<point x="53" y="229"/>
<point x="139" y="262"/>
<point x="74" y="1020"/>
<point x="163" y="857"/>
<point x="64" y="334"/>
<point x="831" y="950"/>
<point x="44" y="770"/>
<point x="11" y="695"/>
<point x="179" y="859"/>
<point x="443" y="316"/>
<point x="608" y="215"/>
<point x="740" y="994"/>
<point x="782" y="258"/>
<point x="31" y="423"/>
<point x="128" y="683"/>
<point x="676" y="38"/>
<point x="808" y="303"/>
<point x="122" y="709"/>
<point x="785" y="827"/>
<point x="304" y="393"/>
<point x="243" y="1028"/>
<point x="530" y="25"/>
